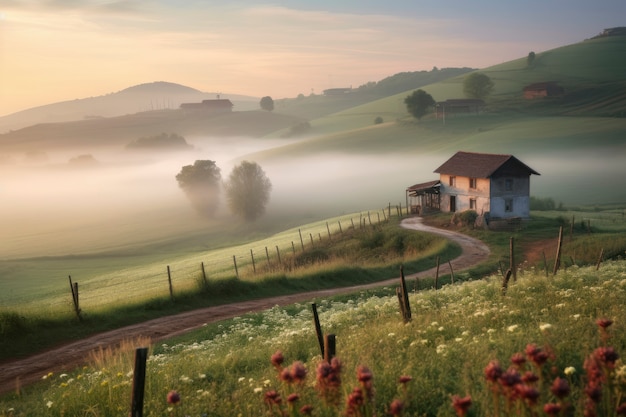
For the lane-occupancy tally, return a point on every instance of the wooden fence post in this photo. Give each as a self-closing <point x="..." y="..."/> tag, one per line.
<point x="253" y="263"/>
<point x="293" y="247"/>
<point x="545" y="262"/>
<point x="329" y="347"/>
<point x="278" y="254"/>
<point x="340" y="229"/>
<point x="311" y="236"/>
<point x="512" y="260"/>
<point x="389" y="210"/>
<point x="405" y="297"/>
<point x="139" y="382"/>
<point x="328" y="229"/>
<point x="267" y="255"/>
<point x="301" y="241"/>
<point x="557" y="261"/>
<point x="600" y="259"/>
<point x="206" y="284"/>
<point x="451" y="272"/>
<point x="74" y="289"/>
<point x="505" y="282"/>
<point x="169" y="280"/>
<point x="369" y="217"/>
<point x="378" y="214"/>
<point x="236" y="269"/>
<point x="318" y="328"/>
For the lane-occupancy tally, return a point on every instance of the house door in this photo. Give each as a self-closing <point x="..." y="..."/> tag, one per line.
<point x="452" y="203"/>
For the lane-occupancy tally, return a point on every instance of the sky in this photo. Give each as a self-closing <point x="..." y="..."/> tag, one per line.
<point x="58" y="50"/>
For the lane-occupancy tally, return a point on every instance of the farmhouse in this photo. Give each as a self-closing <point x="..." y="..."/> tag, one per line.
<point x="454" y="106"/>
<point x="217" y="105"/>
<point x="544" y="89"/>
<point x="495" y="186"/>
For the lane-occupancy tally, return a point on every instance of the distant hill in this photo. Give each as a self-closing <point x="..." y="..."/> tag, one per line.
<point x="158" y="95"/>
<point x="118" y="132"/>
<point x="320" y="105"/>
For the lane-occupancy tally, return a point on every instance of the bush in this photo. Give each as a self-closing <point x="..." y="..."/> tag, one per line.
<point x="378" y="120"/>
<point x="468" y="217"/>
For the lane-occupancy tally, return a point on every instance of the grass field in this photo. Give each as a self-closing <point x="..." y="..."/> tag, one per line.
<point x="543" y="333"/>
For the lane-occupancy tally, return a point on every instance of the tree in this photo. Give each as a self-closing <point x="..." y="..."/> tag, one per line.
<point x="267" y="103"/>
<point x="477" y="85"/>
<point x="530" y="59"/>
<point x="248" y="190"/>
<point x="201" y="184"/>
<point x="418" y="103"/>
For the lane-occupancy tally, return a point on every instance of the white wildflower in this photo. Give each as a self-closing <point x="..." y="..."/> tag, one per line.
<point x="570" y="370"/>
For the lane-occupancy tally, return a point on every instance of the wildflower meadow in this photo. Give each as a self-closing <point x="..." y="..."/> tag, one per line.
<point x="550" y="346"/>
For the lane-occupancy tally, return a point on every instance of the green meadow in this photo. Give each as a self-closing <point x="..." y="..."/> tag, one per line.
<point x="116" y="228"/>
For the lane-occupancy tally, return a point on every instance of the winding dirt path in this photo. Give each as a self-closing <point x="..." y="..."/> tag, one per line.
<point x="25" y="371"/>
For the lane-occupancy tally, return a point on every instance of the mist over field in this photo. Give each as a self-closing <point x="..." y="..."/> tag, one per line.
<point x="124" y="198"/>
<point x="130" y="198"/>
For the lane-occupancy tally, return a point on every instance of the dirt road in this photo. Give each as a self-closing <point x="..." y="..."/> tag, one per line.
<point x="65" y="358"/>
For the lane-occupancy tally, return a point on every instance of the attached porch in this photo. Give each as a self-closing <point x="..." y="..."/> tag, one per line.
<point x="424" y="197"/>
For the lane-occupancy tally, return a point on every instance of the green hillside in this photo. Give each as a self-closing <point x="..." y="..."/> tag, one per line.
<point x="585" y="127"/>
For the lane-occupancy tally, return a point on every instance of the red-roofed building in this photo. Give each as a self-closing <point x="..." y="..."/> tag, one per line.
<point x="494" y="185"/>
<point x="545" y="89"/>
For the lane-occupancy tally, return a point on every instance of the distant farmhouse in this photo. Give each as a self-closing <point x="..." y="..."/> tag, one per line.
<point x="543" y="89"/>
<point x="456" y="106"/>
<point x="495" y="186"/>
<point x="216" y="105"/>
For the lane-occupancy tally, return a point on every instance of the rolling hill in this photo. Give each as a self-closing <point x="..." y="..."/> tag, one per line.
<point x="157" y="95"/>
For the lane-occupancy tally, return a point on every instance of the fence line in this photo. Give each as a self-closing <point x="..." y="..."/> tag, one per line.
<point x="139" y="283"/>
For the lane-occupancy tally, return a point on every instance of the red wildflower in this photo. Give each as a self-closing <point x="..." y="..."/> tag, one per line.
<point x="528" y="393"/>
<point x="298" y="371"/>
<point x="396" y="407"/>
<point x="510" y="378"/>
<point x="604" y="323"/>
<point x="292" y="398"/>
<point x="461" y="405"/>
<point x="277" y="359"/>
<point x="518" y="359"/>
<point x="354" y="402"/>
<point x="493" y="371"/>
<point x="272" y="397"/>
<point x="552" y="409"/>
<point x="607" y="355"/>
<point x="173" y="397"/>
<point x="405" y="378"/>
<point x="530" y="377"/>
<point x="285" y="376"/>
<point x="560" y="388"/>
<point x="306" y="409"/>
<point x="364" y="374"/>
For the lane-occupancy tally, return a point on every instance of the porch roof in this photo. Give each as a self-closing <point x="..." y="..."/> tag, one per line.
<point x="430" y="187"/>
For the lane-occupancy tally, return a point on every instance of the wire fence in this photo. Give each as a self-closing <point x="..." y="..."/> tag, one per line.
<point x="135" y="285"/>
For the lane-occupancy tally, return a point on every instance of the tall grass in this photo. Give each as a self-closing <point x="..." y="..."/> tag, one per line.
<point x="225" y="370"/>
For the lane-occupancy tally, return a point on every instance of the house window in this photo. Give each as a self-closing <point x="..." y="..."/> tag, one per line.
<point x="508" y="205"/>
<point x="508" y="184"/>
<point x="472" y="204"/>
<point x="452" y="181"/>
<point x="473" y="183"/>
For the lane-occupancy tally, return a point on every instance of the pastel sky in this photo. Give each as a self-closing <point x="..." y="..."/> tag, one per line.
<point x="56" y="50"/>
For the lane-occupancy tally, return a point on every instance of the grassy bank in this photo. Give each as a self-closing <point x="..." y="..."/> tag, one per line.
<point x="547" y="326"/>
<point x="356" y="256"/>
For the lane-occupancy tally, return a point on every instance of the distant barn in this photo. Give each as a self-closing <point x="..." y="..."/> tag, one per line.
<point x="543" y="89"/>
<point x="455" y="106"/>
<point x="216" y="105"/>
